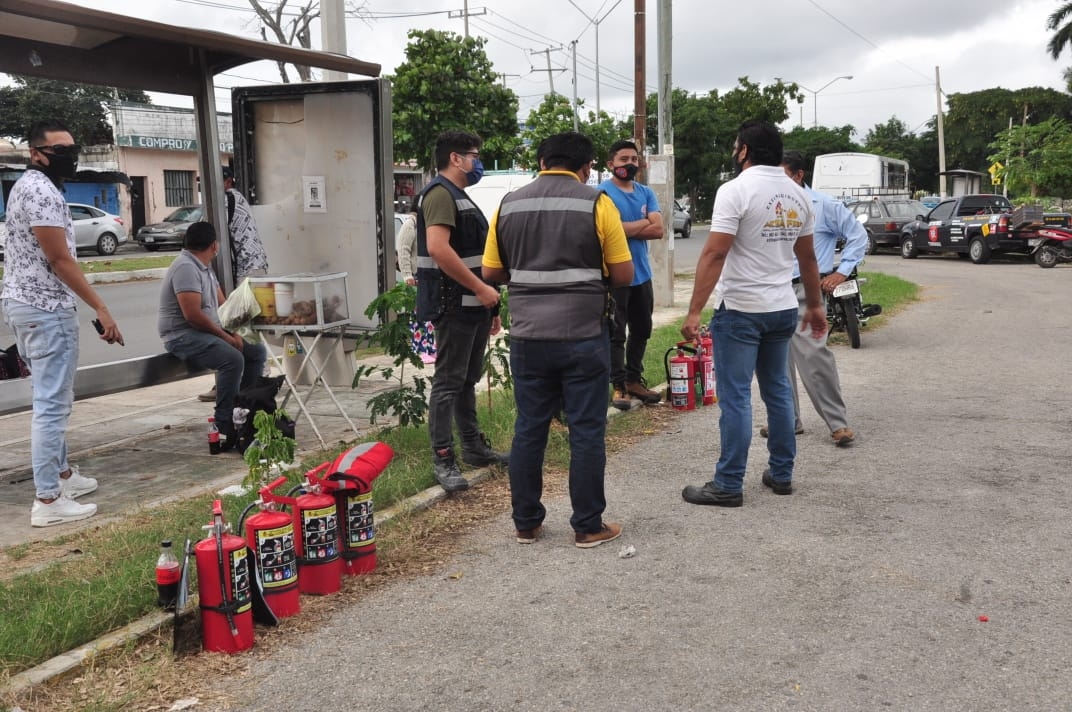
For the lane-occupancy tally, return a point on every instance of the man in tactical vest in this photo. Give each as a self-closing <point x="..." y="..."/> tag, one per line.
<point x="451" y="232"/>
<point x="560" y="246"/>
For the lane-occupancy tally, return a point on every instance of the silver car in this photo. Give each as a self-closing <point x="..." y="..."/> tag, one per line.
<point x="93" y="229"/>
<point x="682" y="220"/>
<point x="96" y="229"/>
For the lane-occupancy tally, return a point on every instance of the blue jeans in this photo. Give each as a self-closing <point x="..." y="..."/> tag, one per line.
<point x="747" y="344"/>
<point x="48" y="343"/>
<point x="550" y="376"/>
<point x="234" y="369"/>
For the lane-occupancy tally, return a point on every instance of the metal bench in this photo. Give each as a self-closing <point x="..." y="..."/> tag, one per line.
<point x="103" y="379"/>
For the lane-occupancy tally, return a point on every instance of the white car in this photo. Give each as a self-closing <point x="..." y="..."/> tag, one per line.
<point x="93" y="229"/>
<point x="96" y="229"/>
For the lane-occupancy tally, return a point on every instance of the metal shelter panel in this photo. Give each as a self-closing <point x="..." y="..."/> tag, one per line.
<point x="59" y="40"/>
<point x="334" y="136"/>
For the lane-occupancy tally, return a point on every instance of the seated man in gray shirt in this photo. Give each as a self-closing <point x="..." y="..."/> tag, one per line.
<point x="190" y="327"/>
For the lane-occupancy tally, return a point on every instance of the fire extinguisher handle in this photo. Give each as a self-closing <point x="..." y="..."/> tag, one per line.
<point x="267" y="489"/>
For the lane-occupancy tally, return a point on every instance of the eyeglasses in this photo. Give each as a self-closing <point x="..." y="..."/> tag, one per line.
<point x="59" y="149"/>
<point x="472" y="154"/>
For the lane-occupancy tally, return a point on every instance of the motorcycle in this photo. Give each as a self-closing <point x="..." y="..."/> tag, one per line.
<point x="846" y="311"/>
<point x="1053" y="247"/>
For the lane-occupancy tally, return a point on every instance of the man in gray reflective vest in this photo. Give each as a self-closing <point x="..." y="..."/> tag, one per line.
<point x="451" y="232"/>
<point x="559" y="246"/>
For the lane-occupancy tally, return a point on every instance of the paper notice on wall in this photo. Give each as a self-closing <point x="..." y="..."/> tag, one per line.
<point x="315" y="198"/>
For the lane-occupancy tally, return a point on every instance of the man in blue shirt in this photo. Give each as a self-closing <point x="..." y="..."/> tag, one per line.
<point x="642" y="221"/>
<point x="810" y="357"/>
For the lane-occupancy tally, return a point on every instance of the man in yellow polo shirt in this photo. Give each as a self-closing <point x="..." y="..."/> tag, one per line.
<point x="559" y="246"/>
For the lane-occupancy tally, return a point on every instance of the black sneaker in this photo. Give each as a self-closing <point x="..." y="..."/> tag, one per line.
<point x="447" y="473"/>
<point x="778" y="487"/>
<point x="478" y="453"/>
<point x="711" y="495"/>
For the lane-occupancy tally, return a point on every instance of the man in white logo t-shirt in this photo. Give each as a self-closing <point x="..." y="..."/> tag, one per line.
<point x="761" y="220"/>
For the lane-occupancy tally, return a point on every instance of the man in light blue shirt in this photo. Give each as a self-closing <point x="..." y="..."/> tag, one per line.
<point x="643" y="221"/>
<point x="809" y="357"/>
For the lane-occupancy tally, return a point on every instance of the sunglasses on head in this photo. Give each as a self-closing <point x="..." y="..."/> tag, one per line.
<point x="59" y="149"/>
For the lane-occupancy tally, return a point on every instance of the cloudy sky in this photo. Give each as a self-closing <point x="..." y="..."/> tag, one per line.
<point x="890" y="49"/>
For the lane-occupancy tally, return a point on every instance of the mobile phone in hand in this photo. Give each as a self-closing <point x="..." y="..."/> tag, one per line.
<point x="98" y="326"/>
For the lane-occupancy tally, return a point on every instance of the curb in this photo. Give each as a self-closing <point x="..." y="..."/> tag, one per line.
<point x="132" y="275"/>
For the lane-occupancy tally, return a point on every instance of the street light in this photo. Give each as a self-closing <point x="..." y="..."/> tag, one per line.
<point x="593" y="21"/>
<point x="815" y="95"/>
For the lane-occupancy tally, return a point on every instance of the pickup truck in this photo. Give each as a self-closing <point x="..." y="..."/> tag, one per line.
<point x="972" y="226"/>
<point x="976" y="227"/>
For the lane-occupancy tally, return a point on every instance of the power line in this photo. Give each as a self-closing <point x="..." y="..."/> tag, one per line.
<point x="838" y="20"/>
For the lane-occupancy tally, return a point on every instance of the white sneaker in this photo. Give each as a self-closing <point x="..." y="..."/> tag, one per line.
<point x="61" y="510"/>
<point x="76" y="485"/>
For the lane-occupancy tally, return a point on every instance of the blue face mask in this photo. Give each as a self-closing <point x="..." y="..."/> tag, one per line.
<point x="477" y="173"/>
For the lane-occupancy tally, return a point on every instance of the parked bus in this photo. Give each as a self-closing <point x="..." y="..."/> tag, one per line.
<point x="851" y="175"/>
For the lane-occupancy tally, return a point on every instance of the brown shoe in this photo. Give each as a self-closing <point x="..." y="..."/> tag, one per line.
<point x="609" y="532"/>
<point x="621" y="399"/>
<point x="645" y="394"/>
<point x="209" y="397"/>
<point x="764" y="433"/>
<point x="842" y="436"/>
<point x="529" y="536"/>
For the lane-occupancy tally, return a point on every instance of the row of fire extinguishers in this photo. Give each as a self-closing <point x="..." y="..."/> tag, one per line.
<point x="327" y="532"/>
<point x="690" y="372"/>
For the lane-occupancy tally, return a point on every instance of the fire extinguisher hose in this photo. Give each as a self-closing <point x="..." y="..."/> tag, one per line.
<point x="226" y="607"/>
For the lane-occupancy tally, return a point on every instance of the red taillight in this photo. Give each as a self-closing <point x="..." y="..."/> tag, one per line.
<point x="1003" y="224"/>
<point x="892" y="227"/>
<point x="119" y="220"/>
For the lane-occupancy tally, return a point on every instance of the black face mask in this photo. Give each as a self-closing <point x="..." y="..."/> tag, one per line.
<point x="60" y="166"/>
<point x="738" y="164"/>
<point x="626" y="172"/>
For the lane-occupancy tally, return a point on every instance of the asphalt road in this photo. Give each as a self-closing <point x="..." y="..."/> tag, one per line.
<point x="924" y="568"/>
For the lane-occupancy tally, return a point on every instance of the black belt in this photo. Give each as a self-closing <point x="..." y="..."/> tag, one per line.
<point x="796" y="280"/>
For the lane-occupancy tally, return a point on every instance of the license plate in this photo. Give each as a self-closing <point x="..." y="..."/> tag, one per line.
<point x="1034" y="242"/>
<point x="849" y="286"/>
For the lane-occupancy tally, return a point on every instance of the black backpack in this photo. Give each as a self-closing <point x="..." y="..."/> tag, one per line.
<point x="259" y="397"/>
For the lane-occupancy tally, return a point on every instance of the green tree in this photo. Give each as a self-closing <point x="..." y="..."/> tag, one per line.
<point x="83" y="107"/>
<point x="704" y="129"/>
<point x="895" y="140"/>
<point x="555" y="115"/>
<point x="1037" y="158"/>
<point x="1062" y="30"/>
<point x="448" y="82"/>
<point x="974" y="119"/>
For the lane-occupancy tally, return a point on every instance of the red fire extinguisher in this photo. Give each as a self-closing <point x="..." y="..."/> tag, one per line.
<point x="681" y="375"/>
<point x="707" y="366"/>
<point x="352" y="474"/>
<point x="223" y="586"/>
<point x="270" y="535"/>
<point x="316" y="542"/>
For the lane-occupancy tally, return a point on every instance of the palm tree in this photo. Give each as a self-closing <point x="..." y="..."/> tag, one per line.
<point x="1063" y="36"/>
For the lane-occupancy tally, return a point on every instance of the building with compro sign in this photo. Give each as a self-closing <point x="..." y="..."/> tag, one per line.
<point x="157" y="147"/>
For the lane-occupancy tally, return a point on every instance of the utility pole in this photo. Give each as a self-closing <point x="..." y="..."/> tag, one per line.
<point x="941" y="134"/>
<point x="547" y="53"/>
<point x="596" y="22"/>
<point x="660" y="172"/>
<point x="640" y="100"/>
<point x="333" y="34"/>
<point x="573" y="46"/>
<point x="464" y="14"/>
